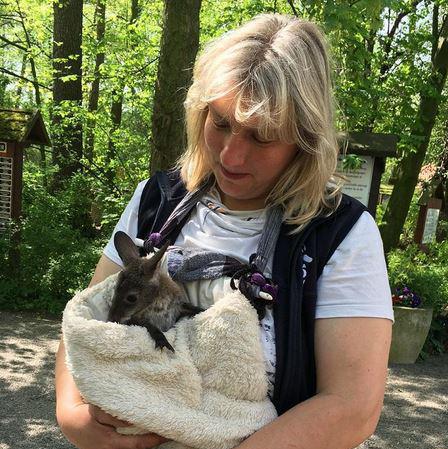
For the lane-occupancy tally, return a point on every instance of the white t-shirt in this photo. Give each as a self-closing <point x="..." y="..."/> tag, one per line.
<point x="353" y="283"/>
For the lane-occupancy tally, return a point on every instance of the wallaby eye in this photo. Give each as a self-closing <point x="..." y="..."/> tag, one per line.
<point x="131" y="299"/>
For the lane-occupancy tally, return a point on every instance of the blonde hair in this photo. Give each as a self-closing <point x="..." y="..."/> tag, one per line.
<point x="277" y="69"/>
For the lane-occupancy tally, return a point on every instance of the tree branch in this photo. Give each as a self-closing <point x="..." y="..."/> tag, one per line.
<point x="294" y="10"/>
<point x="14" y="44"/>
<point x="7" y="72"/>
<point x="385" y="67"/>
<point x="441" y="45"/>
<point x="97" y="172"/>
<point x="32" y="62"/>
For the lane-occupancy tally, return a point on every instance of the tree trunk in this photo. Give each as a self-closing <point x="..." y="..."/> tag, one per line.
<point x="179" y="45"/>
<point x="22" y="74"/>
<point x="116" y="110"/>
<point x="410" y="165"/>
<point x="43" y="158"/>
<point x="440" y="180"/>
<point x="67" y="89"/>
<point x="100" y="15"/>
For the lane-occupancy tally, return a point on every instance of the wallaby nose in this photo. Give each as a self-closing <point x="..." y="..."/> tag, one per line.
<point x="113" y="315"/>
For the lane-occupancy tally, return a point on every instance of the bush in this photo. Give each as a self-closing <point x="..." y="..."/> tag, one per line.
<point x="57" y="251"/>
<point x="424" y="273"/>
<point x="427" y="275"/>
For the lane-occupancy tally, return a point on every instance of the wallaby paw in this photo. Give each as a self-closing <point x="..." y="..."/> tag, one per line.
<point x="164" y="344"/>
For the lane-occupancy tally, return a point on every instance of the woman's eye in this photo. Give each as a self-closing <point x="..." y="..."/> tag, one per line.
<point x="260" y="140"/>
<point x="220" y="125"/>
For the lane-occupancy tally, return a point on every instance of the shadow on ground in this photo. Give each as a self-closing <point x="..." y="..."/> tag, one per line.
<point x="415" y="414"/>
<point x="27" y="350"/>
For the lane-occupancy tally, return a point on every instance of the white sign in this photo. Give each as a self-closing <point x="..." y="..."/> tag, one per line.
<point x="429" y="231"/>
<point x="359" y="181"/>
<point x="5" y="188"/>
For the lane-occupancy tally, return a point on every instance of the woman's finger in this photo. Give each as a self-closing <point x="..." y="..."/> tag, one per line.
<point x="104" y="418"/>
<point x="146" y="441"/>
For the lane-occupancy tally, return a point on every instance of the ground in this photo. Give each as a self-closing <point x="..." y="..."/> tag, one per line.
<point x="415" y="414"/>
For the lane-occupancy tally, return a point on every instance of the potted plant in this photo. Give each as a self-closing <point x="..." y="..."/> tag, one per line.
<point x="411" y="327"/>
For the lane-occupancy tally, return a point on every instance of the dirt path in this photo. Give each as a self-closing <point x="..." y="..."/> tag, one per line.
<point x="415" y="414"/>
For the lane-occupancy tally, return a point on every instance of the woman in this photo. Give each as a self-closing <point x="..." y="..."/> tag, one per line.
<point x="259" y="120"/>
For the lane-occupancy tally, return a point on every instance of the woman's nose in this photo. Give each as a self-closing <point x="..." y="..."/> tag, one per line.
<point x="235" y="150"/>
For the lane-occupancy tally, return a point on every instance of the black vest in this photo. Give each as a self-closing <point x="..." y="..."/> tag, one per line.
<point x="296" y="276"/>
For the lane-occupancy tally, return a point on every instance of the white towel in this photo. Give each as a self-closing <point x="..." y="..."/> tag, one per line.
<point x="211" y="393"/>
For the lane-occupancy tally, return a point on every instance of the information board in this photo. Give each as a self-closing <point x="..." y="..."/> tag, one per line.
<point x="429" y="231"/>
<point x="359" y="181"/>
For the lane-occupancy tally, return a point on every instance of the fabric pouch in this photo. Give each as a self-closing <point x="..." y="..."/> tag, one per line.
<point x="211" y="393"/>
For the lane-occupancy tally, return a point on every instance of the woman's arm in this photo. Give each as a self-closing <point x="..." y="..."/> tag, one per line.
<point x="104" y="269"/>
<point x="351" y="364"/>
<point x="84" y="425"/>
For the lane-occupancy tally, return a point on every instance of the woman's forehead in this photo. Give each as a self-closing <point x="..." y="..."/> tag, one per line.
<point x="224" y="106"/>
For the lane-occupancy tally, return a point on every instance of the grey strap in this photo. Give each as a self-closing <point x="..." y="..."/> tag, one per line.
<point x="269" y="236"/>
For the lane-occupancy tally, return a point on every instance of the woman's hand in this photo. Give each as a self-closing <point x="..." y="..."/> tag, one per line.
<point x="89" y="427"/>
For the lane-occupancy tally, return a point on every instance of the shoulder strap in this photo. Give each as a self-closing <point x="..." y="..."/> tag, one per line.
<point x="294" y="311"/>
<point x="334" y="231"/>
<point x="161" y="194"/>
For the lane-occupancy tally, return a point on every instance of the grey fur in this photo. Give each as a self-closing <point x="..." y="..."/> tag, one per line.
<point x="144" y="295"/>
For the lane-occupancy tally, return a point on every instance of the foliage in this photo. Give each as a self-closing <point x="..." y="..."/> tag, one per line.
<point x="351" y="162"/>
<point x="57" y="250"/>
<point x="437" y="340"/>
<point x="425" y="273"/>
<point x="378" y="76"/>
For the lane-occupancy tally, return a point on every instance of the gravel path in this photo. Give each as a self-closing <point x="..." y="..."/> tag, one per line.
<point x="415" y="414"/>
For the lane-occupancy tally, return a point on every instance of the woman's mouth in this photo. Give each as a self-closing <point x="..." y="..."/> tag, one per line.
<point x="232" y="175"/>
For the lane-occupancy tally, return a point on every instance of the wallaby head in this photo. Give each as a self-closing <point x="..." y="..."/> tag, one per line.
<point x="139" y="284"/>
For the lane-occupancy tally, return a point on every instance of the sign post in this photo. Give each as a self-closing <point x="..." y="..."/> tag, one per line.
<point x="18" y="129"/>
<point x="363" y="183"/>
<point x="428" y="217"/>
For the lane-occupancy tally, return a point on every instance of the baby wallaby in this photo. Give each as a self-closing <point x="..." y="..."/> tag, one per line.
<point x="144" y="295"/>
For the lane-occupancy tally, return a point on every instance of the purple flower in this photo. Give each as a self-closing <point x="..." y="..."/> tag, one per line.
<point x="406" y="297"/>
<point x="416" y="301"/>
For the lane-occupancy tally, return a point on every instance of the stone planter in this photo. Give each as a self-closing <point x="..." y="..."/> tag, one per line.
<point x="409" y="333"/>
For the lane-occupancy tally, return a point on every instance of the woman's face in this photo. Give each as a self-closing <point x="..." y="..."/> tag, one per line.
<point x="246" y="168"/>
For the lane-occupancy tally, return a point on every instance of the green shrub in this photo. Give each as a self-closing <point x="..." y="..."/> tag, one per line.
<point x="57" y="251"/>
<point x="427" y="275"/>
<point x="424" y="273"/>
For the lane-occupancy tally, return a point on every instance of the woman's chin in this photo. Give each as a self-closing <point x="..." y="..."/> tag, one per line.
<point x="235" y="199"/>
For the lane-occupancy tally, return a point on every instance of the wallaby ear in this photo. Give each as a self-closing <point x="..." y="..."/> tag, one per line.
<point x="125" y="247"/>
<point x="149" y="265"/>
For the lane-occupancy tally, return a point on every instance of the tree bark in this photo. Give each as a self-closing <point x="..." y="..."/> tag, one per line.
<point x="116" y="110"/>
<point x="22" y="74"/>
<point x="100" y="15"/>
<point x="179" y="45"/>
<point x="410" y="165"/>
<point x="67" y="89"/>
<point x="38" y="97"/>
